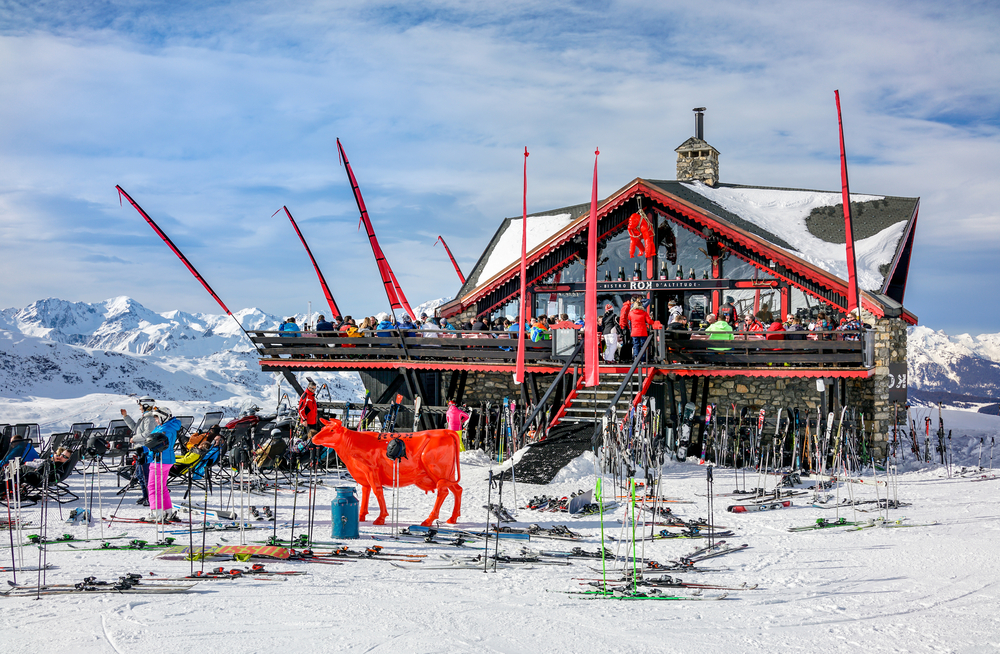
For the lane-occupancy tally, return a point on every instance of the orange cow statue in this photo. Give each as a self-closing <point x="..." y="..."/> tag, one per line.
<point x="640" y="236"/>
<point x="430" y="463"/>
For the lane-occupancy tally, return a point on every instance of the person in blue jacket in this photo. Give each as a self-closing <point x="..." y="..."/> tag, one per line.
<point x="385" y="324"/>
<point x="20" y="448"/>
<point x="408" y="325"/>
<point x="322" y="325"/>
<point x="159" y="470"/>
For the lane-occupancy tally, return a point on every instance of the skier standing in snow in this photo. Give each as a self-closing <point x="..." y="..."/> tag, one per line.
<point x="159" y="469"/>
<point x="308" y="412"/>
<point x="456" y="419"/>
<point x="151" y="418"/>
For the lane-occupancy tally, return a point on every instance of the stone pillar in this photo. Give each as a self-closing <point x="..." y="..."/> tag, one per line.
<point x="890" y="347"/>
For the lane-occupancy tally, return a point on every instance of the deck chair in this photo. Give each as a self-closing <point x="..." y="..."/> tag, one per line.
<point x="183" y="433"/>
<point x="31" y="432"/>
<point x="80" y="427"/>
<point x="57" y="490"/>
<point x="195" y="468"/>
<point x="6" y="431"/>
<point x="118" y="443"/>
<point x="115" y="424"/>
<point x="79" y="443"/>
<point x="54" y="442"/>
<point x="211" y="419"/>
<point x="76" y="438"/>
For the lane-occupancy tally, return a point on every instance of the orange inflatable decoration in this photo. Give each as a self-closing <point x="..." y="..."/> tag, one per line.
<point x="430" y="463"/>
<point x="640" y="236"/>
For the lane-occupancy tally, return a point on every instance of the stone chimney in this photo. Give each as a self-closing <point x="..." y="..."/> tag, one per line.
<point x="696" y="159"/>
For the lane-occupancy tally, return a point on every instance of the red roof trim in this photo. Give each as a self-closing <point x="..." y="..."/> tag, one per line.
<point x="640" y="186"/>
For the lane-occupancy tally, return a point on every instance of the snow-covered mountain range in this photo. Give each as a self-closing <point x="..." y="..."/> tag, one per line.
<point x="55" y="351"/>
<point x="959" y="370"/>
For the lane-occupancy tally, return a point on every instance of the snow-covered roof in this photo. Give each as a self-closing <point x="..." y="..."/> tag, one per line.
<point x="807" y="224"/>
<point x="505" y="247"/>
<point x="785" y="212"/>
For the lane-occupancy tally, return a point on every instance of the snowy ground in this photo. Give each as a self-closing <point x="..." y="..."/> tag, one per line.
<point x="922" y="589"/>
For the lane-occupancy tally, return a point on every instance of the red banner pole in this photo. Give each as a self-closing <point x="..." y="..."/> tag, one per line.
<point x="180" y="255"/>
<point x="450" y="256"/>
<point x="591" y="347"/>
<point x="319" y="273"/>
<point x="522" y="313"/>
<point x="392" y="289"/>
<point x="853" y="296"/>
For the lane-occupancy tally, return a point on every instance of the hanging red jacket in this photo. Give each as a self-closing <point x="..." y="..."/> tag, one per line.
<point x="307" y="407"/>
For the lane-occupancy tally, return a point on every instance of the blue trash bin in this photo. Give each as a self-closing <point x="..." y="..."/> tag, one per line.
<point x="344" y="513"/>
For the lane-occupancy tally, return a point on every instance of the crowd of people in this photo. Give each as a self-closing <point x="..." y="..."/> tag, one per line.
<point x="623" y="332"/>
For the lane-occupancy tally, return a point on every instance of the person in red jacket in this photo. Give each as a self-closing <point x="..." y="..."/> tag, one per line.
<point x="308" y="413"/>
<point x="776" y="332"/>
<point x="641" y="322"/>
<point x="772" y="330"/>
<point x="623" y="318"/>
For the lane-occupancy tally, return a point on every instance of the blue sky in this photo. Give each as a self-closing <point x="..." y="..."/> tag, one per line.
<point x="213" y="115"/>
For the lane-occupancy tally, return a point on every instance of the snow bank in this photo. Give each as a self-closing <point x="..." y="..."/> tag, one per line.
<point x="581" y="469"/>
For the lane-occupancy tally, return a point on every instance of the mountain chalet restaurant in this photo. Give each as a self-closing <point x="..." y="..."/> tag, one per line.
<point x="773" y="251"/>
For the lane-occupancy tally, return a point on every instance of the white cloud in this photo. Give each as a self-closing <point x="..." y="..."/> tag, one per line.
<point x="214" y="117"/>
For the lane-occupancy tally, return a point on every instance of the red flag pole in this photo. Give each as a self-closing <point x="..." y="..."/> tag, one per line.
<point x="392" y="289"/>
<point x="453" y="262"/>
<point x="180" y="255"/>
<point x="853" y="296"/>
<point x="319" y="273"/>
<point x="521" y="315"/>
<point x="591" y="347"/>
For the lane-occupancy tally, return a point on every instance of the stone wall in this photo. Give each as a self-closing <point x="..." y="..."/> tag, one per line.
<point x="867" y="395"/>
<point x="890" y="347"/>
<point x="494" y="386"/>
<point x="772" y="393"/>
<point x="701" y="168"/>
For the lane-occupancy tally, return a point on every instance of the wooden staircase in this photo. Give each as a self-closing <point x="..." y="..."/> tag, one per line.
<point x="588" y="404"/>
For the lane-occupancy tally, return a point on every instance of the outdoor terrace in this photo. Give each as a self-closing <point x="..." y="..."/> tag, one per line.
<point x="849" y="352"/>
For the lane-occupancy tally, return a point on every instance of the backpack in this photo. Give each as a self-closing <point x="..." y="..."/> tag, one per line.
<point x="157" y="442"/>
<point x="396" y="449"/>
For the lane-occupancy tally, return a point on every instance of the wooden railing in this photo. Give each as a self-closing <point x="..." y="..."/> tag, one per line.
<point x="746" y="349"/>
